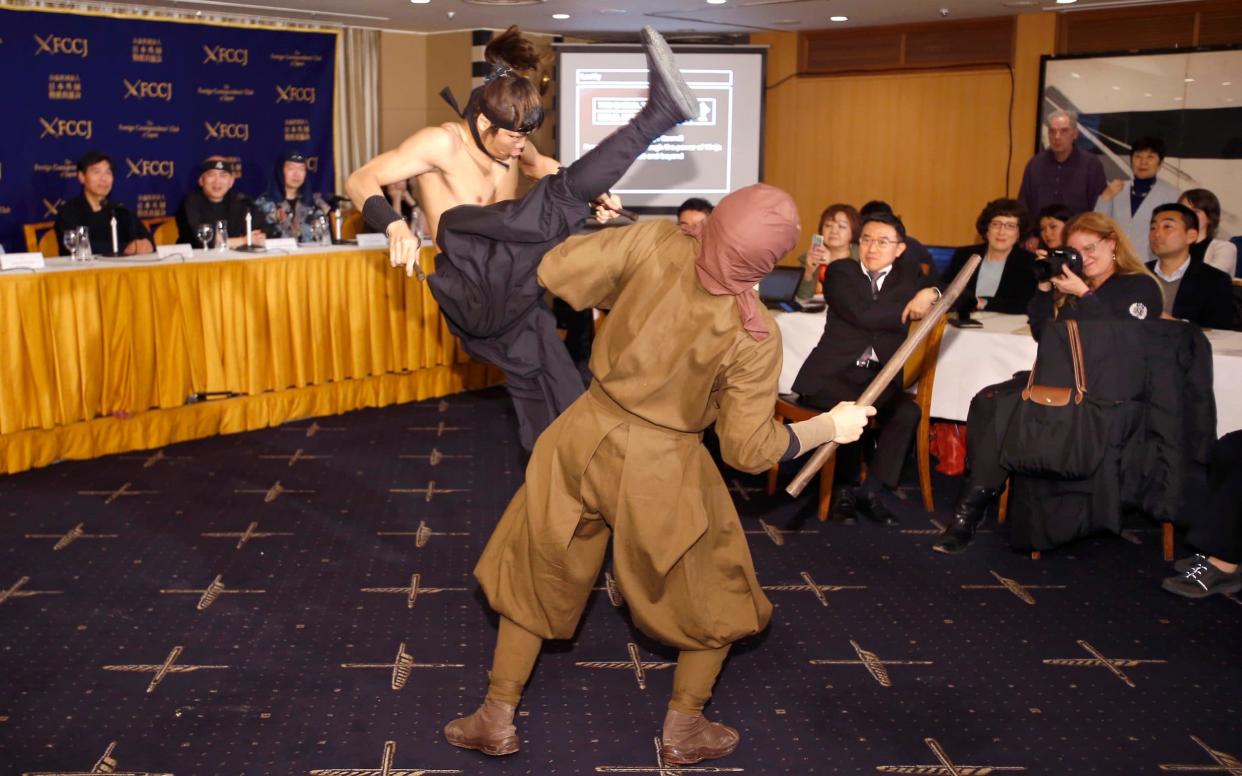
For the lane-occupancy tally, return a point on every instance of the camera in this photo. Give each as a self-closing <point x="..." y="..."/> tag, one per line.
<point x="1058" y="260"/>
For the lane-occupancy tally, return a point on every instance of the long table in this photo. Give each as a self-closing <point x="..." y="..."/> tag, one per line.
<point x="972" y="359"/>
<point x="104" y="357"/>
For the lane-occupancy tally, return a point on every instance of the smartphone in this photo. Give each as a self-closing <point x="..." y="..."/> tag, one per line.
<point x="817" y="239"/>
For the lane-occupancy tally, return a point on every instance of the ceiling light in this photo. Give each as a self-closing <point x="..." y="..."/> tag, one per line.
<point x="420" y="2"/>
<point x="560" y="16"/>
<point x="838" y="18"/>
<point x="786" y="21"/>
<point x="716" y="2"/>
<point x="1189" y="80"/>
<point x="1066" y="2"/>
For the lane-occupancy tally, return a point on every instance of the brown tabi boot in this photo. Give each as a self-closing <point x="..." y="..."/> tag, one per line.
<point x="489" y="729"/>
<point x="692" y="739"/>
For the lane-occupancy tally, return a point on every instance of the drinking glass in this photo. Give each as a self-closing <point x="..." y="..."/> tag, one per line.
<point x="84" y="243"/>
<point x="222" y="237"/>
<point x="71" y="243"/>
<point x="204" y="232"/>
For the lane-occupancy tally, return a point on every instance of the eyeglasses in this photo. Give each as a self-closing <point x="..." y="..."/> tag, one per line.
<point x="882" y="242"/>
<point x="1003" y="226"/>
<point x="1090" y="248"/>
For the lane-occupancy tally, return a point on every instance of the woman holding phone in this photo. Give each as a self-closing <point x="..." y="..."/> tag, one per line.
<point x="836" y="238"/>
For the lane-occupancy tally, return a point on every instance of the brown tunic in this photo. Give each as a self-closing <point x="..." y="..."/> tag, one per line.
<point x="627" y="458"/>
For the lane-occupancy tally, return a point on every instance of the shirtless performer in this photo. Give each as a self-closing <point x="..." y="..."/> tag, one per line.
<point x="490" y="243"/>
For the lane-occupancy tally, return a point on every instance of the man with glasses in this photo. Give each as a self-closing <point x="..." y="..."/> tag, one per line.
<point x="870" y="305"/>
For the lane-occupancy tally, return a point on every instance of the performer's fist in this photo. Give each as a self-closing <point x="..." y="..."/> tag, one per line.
<point x="849" y="420"/>
<point x="403" y="249"/>
<point x="606" y="207"/>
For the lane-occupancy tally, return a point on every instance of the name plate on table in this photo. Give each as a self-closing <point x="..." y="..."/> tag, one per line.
<point x="281" y="244"/>
<point x="180" y="249"/>
<point x="373" y="240"/>
<point x="33" y="260"/>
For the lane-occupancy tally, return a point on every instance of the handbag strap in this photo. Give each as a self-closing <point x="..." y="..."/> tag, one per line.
<point x="1080" y="372"/>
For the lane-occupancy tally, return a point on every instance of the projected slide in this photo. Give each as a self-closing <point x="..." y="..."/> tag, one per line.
<point x="709" y="156"/>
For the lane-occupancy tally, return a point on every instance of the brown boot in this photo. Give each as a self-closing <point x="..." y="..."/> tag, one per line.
<point x="692" y="739"/>
<point x="489" y="729"/>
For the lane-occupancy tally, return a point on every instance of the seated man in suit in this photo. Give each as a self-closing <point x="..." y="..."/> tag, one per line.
<point x="1193" y="291"/>
<point x="915" y="251"/>
<point x="869" y="306"/>
<point x="215" y="200"/>
<point x="94" y="210"/>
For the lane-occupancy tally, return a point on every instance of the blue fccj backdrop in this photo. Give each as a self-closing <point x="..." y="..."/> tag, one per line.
<point x="157" y="97"/>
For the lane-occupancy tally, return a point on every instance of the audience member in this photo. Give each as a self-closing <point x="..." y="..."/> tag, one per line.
<point x="215" y="200"/>
<point x="869" y="306"/>
<point x="1061" y="173"/>
<point x="95" y="211"/>
<point x="1221" y="254"/>
<point x="916" y="252"/>
<point x="1131" y="203"/>
<point x="839" y="225"/>
<point x="1114" y="286"/>
<point x="1051" y="222"/>
<point x="1006" y="278"/>
<point x="1193" y="291"/>
<point x="289" y="206"/>
<point x="1215" y="529"/>
<point x="692" y="212"/>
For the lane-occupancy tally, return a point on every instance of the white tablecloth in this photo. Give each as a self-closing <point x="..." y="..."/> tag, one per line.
<point x="972" y="359"/>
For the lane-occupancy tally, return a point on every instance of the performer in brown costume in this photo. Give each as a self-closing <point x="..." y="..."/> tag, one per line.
<point x="686" y="345"/>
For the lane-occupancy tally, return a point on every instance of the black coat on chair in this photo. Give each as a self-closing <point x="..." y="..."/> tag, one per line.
<point x="1017" y="283"/>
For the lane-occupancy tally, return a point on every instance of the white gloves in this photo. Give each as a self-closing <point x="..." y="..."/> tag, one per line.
<point x="842" y="424"/>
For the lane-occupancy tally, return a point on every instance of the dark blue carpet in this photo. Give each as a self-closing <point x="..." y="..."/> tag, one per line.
<point x="904" y="661"/>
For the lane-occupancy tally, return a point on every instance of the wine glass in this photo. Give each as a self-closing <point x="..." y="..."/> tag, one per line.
<point x="204" y="232"/>
<point x="319" y="228"/>
<point x="70" y="238"/>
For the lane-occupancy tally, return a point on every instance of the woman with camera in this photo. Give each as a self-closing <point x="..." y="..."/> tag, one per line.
<point x="837" y="238"/>
<point x="1098" y="276"/>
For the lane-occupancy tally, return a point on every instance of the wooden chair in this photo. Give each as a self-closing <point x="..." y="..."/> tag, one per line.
<point x="36" y="232"/>
<point x="162" y="228"/>
<point x="166" y="233"/>
<point x="351" y="225"/>
<point x="49" y="246"/>
<point x="920" y="369"/>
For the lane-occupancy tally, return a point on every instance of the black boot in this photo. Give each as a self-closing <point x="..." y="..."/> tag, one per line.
<point x="871" y="504"/>
<point x="669" y="102"/>
<point x="972" y="507"/>
<point x="842" y="510"/>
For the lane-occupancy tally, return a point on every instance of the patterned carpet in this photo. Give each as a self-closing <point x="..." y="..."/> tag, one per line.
<point x="291" y="600"/>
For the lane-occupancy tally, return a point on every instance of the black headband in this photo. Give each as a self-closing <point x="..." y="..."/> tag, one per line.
<point x="213" y="164"/>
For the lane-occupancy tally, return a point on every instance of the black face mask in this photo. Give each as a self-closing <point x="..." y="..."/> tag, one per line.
<point x="475" y="107"/>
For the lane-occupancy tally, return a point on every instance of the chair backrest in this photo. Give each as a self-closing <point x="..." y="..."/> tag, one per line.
<point x="34" y="232"/>
<point x="351" y="225"/>
<point x="49" y="246"/>
<point x="921" y="366"/>
<point x="153" y="225"/>
<point x="1237" y="303"/>
<point x="166" y="233"/>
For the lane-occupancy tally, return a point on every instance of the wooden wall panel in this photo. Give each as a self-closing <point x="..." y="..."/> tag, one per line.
<point x="932" y="144"/>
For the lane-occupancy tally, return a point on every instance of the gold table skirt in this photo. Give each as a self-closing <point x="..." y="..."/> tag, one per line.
<point x="102" y="361"/>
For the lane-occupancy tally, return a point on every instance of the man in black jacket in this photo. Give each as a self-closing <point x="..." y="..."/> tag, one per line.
<point x="869" y="306"/>
<point x="215" y="200"/>
<point x="95" y="210"/>
<point x="1193" y="291"/>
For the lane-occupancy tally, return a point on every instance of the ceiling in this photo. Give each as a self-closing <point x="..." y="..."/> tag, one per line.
<point x="620" y="16"/>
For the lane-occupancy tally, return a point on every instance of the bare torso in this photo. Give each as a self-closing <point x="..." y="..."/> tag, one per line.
<point x="466" y="177"/>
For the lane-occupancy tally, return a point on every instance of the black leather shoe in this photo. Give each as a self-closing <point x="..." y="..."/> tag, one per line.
<point x="842" y="510"/>
<point x="972" y="507"/>
<point x="872" y="505"/>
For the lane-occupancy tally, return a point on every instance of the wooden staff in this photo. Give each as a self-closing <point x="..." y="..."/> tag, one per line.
<point x="890" y="370"/>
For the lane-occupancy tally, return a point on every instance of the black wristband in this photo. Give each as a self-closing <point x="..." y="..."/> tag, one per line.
<point x="379" y="213"/>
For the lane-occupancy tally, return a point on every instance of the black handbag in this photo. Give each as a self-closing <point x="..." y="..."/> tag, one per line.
<point x="1054" y="431"/>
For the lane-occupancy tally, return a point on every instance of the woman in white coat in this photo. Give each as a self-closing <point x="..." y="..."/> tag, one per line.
<point x="1130" y="203"/>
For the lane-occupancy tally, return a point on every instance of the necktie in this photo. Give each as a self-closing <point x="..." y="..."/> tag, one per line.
<point x="875" y="283"/>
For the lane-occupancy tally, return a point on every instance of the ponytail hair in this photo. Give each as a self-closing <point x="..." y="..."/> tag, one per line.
<point x="508" y="98"/>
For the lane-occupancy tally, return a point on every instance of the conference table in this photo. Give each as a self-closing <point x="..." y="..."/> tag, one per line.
<point x="133" y="353"/>
<point x="972" y="359"/>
